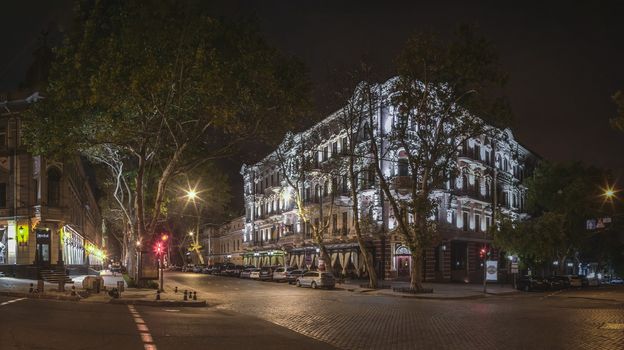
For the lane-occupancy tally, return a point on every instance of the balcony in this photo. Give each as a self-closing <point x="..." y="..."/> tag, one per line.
<point x="401" y="182"/>
<point x="472" y="194"/>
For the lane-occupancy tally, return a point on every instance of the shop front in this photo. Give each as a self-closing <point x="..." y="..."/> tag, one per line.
<point x="265" y="258"/>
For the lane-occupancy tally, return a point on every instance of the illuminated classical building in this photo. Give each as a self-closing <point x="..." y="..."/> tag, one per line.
<point x="275" y="234"/>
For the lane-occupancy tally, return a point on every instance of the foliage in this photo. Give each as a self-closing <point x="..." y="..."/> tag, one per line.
<point x="441" y="89"/>
<point x="560" y="198"/>
<point x="618" y="121"/>
<point x="167" y="87"/>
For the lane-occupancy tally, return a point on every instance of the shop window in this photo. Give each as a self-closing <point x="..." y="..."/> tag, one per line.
<point x="54" y="187"/>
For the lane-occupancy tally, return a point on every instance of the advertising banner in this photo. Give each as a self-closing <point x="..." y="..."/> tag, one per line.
<point x="491" y="267"/>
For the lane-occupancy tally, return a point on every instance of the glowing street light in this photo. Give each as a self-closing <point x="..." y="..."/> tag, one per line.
<point x="609" y="193"/>
<point x="191" y="233"/>
<point x="191" y="194"/>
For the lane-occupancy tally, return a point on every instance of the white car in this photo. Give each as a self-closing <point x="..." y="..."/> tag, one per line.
<point x="316" y="279"/>
<point x="255" y="274"/>
<point x="281" y="274"/>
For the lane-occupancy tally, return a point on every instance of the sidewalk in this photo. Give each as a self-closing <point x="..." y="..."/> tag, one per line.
<point x="20" y="288"/>
<point x="443" y="291"/>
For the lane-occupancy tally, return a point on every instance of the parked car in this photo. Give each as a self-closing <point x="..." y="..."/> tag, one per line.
<point x="246" y="273"/>
<point x="198" y="269"/>
<point x="218" y="269"/>
<point x="616" y="280"/>
<point x="589" y="281"/>
<point x="207" y="269"/>
<point x="230" y="270"/>
<point x="556" y="283"/>
<point x="575" y="281"/>
<point x="281" y="273"/>
<point x="266" y="273"/>
<point x="188" y="268"/>
<point x="292" y="276"/>
<point x="255" y="274"/>
<point x="530" y="283"/>
<point x="317" y="279"/>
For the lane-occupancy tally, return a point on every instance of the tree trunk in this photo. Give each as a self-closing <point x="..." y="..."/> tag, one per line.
<point x="416" y="270"/>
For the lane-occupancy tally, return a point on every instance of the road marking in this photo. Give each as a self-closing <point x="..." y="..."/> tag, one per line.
<point x="171" y="310"/>
<point x="11" y="301"/>
<point x="146" y="337"/>
<point x="615" y="326"/>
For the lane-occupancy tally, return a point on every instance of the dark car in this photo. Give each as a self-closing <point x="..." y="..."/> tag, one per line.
<point x="291" y="276"/>
<point x="229" y="270"/>
<point x="530" y="283"/>
<point x="266" y="273"/>
<point x="556" y="283"/>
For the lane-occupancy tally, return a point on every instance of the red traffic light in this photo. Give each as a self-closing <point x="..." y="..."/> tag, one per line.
<point x="158" y="248"/>
<point x="482" y="253"/>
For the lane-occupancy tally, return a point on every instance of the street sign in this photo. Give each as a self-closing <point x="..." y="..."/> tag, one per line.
<point x="491" y="269"/>
<point x="514" y="267"/>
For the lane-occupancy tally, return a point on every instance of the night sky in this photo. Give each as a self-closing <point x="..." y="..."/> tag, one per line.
<point x="564" y="59"/>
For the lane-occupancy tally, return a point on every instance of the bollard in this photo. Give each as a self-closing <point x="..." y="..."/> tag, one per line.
<point x="176" y="289"/>
<point x="73" y="292"/>
<point x="31" y="289"/>
<point x="185" y="295"/>
<point x="158" y="295"/>
<point x="194" y="295"/>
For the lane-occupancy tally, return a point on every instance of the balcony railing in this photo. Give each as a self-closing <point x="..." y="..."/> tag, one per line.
<point x="402" y="182"/>
<point x="472" y="193"/>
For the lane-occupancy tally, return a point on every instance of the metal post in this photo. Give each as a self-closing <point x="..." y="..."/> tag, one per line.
<point x="160" y="270"/>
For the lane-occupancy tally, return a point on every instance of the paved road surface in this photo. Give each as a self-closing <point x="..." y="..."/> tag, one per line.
<point x="44" y="324"/>
<point x="359" y="321"/>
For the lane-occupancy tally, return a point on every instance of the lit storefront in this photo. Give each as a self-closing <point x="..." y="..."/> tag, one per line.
<point x="79" y="251"/>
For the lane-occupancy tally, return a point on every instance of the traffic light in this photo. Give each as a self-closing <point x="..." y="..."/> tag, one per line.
<point x="483" y="253"/>
<point x="164" y="237"/>
<point x="158" y="248"/>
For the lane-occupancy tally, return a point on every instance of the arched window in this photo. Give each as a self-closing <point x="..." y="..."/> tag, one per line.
<point x="54" y="187"/>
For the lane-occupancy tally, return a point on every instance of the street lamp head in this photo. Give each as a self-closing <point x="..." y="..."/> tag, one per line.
<point x="191" y="194"/>
<point x="190" y="233"/>
<point x="609" y="193"/>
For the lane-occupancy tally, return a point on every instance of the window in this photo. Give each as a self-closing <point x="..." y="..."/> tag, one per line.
<point x="477" y="223"/>
<point x="403" y="167"/>
<point x="345" y="147"/>
<point x="344" y="223"/>
<point x="465" y="221"/>
<point x="488" y="222"/>
<point x="334" y="149"/>
<point x="325" y="153"/>
<point x="464" y="182"/>
<point x="335" y="224"/>
<point x="54" y="187"/>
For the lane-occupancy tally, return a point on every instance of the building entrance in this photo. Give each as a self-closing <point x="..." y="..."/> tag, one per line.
<point x="43" y="248"/>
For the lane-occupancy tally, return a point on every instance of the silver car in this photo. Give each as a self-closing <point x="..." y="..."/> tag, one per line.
<point x="317" y="279"/>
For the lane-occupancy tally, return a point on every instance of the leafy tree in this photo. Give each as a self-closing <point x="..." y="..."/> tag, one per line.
<point x="618" y="121"/>
<point x="560" y="198"/>
<point x="168" y="87"/>
<point x="441" y="87"/>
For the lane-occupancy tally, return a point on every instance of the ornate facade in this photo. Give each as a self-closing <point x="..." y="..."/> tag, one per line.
<point x="490" y="173"/>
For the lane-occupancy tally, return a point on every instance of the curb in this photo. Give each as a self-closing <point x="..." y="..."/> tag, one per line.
<point x="41" y="296"/>
<point x="158" y="303"/>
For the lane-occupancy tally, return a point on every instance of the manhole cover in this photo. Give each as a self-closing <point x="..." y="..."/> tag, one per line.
<point x="613" y="326"/>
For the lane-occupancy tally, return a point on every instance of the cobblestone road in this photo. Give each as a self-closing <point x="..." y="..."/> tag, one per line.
<point x="358" y="321"/>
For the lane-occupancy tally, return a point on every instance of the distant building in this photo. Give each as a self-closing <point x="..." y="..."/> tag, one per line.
<point x="48" y="213"/>
<point x="224" y="243"/>
<point x="274" y="234"/>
